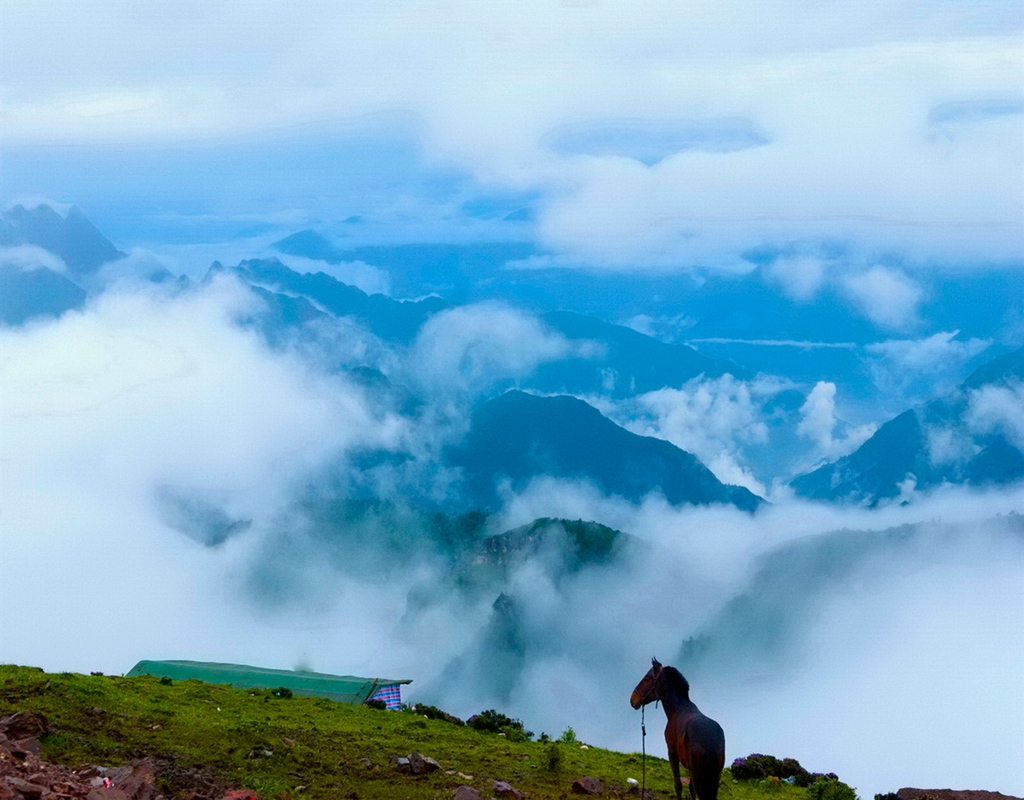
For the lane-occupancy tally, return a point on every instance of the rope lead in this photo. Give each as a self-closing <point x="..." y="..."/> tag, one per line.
<point x="643" y="760"/>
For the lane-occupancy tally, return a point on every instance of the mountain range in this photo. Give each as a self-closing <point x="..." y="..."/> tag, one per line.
<point x="545" y="424"/>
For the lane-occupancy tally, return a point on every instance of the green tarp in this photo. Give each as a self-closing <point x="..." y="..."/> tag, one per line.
<point x="344" y="688"/>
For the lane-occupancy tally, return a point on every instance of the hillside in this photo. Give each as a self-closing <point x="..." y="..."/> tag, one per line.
<point x="203" y="740"/>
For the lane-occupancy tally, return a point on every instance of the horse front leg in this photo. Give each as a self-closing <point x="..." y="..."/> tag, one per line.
<point x="673" y="760"/>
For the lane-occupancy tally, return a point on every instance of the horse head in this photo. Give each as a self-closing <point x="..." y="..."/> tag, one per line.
<point x="647" y="690"/>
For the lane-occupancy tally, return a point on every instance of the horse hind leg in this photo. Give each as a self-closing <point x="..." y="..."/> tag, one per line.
<point x="673" y="760"/>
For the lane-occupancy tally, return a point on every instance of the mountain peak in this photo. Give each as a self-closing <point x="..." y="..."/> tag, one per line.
<point x="74" y="238"/>
<point x="519" y="436"/>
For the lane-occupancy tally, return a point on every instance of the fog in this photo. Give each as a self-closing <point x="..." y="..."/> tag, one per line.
<point x="158" y="463"/>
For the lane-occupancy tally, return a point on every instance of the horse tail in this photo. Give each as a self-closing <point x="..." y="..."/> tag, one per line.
<point x="707" y="759"/>
<point x="705" y="782"/>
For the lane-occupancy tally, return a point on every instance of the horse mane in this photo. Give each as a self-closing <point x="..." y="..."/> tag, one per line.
<point x="676" y="681"/>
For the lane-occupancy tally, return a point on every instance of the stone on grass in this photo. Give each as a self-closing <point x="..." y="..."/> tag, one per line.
<point x="505" y="791"/>
<point x="420" y="764"/>
<point x="588" y="785"/>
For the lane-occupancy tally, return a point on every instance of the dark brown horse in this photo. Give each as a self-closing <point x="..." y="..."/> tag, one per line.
<point x="695" y="741"/>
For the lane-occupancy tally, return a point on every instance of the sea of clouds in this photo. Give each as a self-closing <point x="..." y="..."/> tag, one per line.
<point x="902" y="668"/>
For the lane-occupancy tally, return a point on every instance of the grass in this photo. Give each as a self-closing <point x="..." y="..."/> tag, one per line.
<point x="208" y="735"/>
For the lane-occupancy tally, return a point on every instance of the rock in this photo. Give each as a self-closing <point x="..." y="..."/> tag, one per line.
<point x="588" y="785"/>
<point x="907" y="793"/>
<point x="506" y="791"/>
<point x="401" y="762"/>
<point x="24" y="725"/>
<point x="137" y="780"/>
<point x="466" y="793"/>
<point x="420" y="764"/>
<point x="107" y="793"/>
<point x="22" y="747"/>
<point x="26" y="788"/>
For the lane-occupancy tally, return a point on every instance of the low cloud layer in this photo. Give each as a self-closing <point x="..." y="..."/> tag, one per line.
<point x="162" y="466"/>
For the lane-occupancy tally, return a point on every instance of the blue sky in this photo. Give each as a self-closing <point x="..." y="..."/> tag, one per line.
<point x="652" y="135"/>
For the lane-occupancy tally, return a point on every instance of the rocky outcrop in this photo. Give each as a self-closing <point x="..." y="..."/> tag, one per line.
<point x="951" y="794"/>
<point x="24" y="775"/>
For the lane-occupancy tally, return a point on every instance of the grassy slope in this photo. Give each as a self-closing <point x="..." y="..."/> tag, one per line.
<point x="318" y="744"/>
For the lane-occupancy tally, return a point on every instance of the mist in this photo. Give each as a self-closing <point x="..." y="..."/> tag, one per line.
<point x="169" y="490"/>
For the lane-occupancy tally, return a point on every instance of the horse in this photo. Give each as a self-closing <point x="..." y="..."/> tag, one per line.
<point x="695" y="741"/>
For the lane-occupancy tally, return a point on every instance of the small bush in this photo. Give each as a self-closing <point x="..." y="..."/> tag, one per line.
<point x="282" y="692"/>
<point x="555" y="759"/>
<point x="568" y="736"/>
<point x="166" y="682"/>
<point x="887" y="796"/>
<point x="380" y="705"/>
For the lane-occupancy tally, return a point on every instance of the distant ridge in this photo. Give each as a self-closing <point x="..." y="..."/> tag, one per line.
<point x="630" y="363"/>
<point x="393" y="320"/>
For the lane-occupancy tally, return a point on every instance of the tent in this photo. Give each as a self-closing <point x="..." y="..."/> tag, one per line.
<point x="343" y="688"/>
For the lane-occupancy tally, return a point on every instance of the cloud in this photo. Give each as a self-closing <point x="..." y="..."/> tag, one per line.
<point x="27" y="257"/>
<point x="108" y="406"/>
<point x="934" y="364"/>
<point x="800" y="277"/>
<point x="887" y="297"/>
<point x="999" y="409"/>
<point x="893" y="131"/>
<point x="371" y="279"/>
<point x="470" y="348"/>
<point x="818" y="415"/>
<point x="712" y="418"/>
<point x="818" y="423"/>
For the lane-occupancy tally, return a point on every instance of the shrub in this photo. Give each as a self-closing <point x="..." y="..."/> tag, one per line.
<point x="757" y="766"/>
<point x="829" y="787"/>
<point x="568" y="736"/>
<point x="282" y="691"/>
<point x="433" y="712"/>
<point x="380" y="705"/>
<point x="887" y="796"/>
<point x="491" y="721"/>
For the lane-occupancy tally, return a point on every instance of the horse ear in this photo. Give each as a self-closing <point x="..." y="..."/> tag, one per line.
<point x="654" y="662"/>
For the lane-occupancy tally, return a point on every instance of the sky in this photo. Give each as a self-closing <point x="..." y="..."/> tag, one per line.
<point x="848" y="149"/>
<point x="652" y="135"/>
